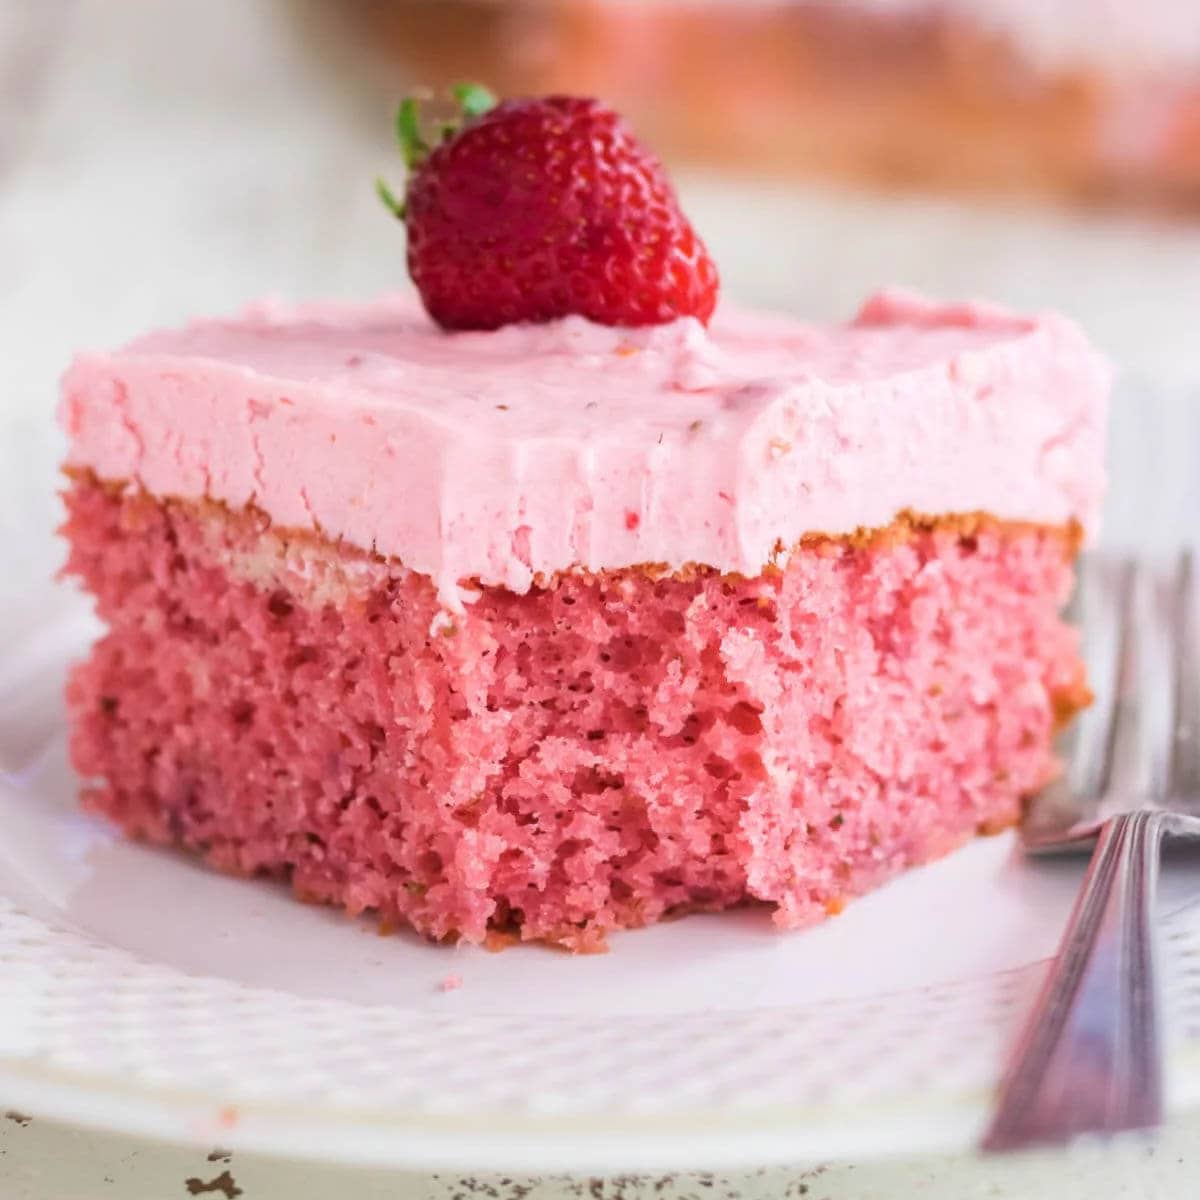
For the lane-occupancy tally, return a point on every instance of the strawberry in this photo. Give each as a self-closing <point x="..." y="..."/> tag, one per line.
<point x="533" y="209"/>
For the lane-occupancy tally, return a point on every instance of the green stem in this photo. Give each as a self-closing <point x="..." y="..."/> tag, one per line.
<point x="385" y="193"/>
<point x="473" y="99"/>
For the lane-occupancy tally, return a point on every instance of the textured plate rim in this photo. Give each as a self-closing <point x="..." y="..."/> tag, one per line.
<point x="947" y="1121"/>
<point x="700" y="1139"/>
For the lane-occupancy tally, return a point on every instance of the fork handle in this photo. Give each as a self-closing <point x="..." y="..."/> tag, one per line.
<point x="1088" y="1059"/>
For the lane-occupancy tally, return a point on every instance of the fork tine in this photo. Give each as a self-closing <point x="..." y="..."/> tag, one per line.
<point x="1185" y="742"/>
<point x="1139" y="733"/>
<point x="1072" y="803"/>
<point x="1096" y="610"/>
<point x="1120" y="752"/>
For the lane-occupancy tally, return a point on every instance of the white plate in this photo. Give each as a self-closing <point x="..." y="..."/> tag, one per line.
<point x="141" y="993"/>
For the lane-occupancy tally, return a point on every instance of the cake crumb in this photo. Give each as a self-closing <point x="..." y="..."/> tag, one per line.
<point x="499" y="939"/>
<point x="442" y="625"/>
<point x="451" y="983"/>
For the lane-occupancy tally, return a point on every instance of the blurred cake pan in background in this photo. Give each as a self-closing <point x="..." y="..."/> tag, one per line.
<point x="1085" y="100"/>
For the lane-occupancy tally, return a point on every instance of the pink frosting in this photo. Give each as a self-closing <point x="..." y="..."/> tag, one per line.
<point x="498" y="457"/>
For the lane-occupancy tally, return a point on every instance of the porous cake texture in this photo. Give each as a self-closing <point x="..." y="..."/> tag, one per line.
<point x="590" y="755"/>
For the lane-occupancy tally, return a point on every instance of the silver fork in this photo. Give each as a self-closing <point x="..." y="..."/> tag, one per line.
<point x="1089" y="1058"/>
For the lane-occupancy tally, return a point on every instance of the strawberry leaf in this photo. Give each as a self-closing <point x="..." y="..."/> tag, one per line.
<point x="474" y="99"/>
<point x="408" y="132"/>
<point x="385" y="193"/>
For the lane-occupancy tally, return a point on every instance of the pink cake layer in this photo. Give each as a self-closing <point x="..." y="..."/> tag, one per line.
<point x="578" y="758"/>
<point x="503" y="458"/>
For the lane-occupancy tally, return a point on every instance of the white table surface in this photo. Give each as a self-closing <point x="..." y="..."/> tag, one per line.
<point x="40" y="1161"/>
<point x="160" y="158"/>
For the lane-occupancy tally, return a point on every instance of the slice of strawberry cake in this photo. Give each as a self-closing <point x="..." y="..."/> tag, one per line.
<point x="559" y="627"/>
